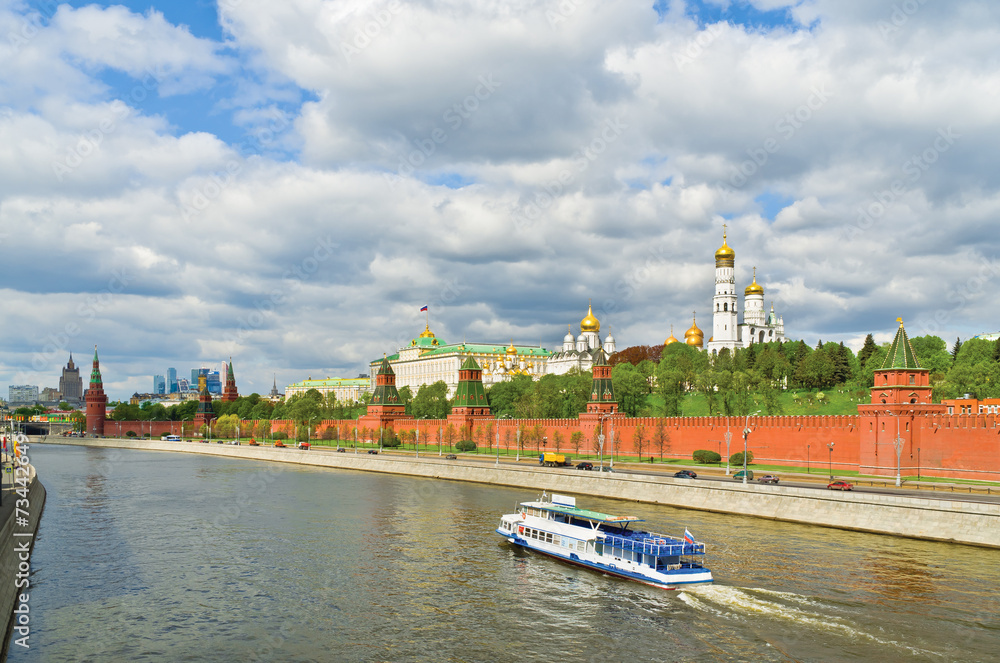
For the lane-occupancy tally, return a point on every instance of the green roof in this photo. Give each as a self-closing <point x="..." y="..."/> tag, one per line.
<point x="475" y="348"/>
<point x="595" y="516"/>
<point x="331" y="382"/>
<point x="901" y="354"/>
<point x="470" y="364"/>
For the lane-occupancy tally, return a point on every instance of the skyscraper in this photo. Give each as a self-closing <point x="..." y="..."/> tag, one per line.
<point x="172" y="381"/>
<point x="71" y="384"/>
<point x="159" y="384"/>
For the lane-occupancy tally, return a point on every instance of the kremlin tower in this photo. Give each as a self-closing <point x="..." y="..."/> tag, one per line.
<point x="229" y="392"/>
<point x="97" y="400"/>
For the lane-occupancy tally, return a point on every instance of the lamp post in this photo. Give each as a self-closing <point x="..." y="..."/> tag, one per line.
<point x="918" y="463"/>
<point x="440" y="442"/>
<point x="600" y="441"/>
<point x="807" y="459"/>
<point x="729" y="437"/>
<point x="898" y="445"/>
<point x="830" y="447"/>
<point x="308" y="431"/>
<point x="498" y="449"/>
<point x="746" y="436"/>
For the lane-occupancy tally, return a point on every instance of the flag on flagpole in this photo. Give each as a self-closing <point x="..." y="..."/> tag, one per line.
<point x="422" y="309"/>
<point x="688" y="536"/>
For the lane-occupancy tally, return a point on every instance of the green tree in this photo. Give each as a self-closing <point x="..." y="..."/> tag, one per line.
<point x="956" y="349"/>
<point x="431" y="401"/>
<point x="867" y="349"/>
<point x="406" y="397"/>
<point x="503" y="396"/>
<point x="630" y="388"/>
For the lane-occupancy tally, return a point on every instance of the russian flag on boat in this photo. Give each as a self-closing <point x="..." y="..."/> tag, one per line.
<point x="688" y="536"/>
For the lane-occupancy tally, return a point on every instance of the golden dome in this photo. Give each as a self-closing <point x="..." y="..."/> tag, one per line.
<point x="590" y="323"/>
<point x="754" y="288"/>
<point x="671" y="339"/>
<point x="511" y="350"/>
<point x="427" y="333"/>
<point x="725" y="256"/>
<point x="694" y="336"/>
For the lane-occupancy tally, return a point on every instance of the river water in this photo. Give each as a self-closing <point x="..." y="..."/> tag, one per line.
<point x="146" y="556"/>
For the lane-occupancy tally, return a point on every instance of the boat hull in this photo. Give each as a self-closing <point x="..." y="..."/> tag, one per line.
<point x="680" y="577"/>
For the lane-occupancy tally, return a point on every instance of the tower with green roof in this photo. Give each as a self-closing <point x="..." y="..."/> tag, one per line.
<point x="602" y="393"/>
<point x="896" y="416"/>
<point x="96" y="399"/>
<point x="385" y="406"/>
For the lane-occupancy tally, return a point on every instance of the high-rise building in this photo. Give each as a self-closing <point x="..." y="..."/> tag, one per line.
<point x="159" y="384"/>
<point x="214" y="382"/>
<point x="172" y="387"/>
<point x="22" y="394"/>
<point x="71" y="384"/>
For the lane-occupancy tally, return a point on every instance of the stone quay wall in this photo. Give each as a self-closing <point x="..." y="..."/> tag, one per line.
<point x="914" y="517"/>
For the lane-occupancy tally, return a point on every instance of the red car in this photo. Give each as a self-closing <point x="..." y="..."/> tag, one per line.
<point x="840" y="485"/>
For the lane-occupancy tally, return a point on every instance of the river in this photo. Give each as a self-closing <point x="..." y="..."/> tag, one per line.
<point x="151" y="556"/>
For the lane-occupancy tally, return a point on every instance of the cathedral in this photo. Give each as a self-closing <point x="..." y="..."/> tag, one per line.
<point x="727" y="331"/>
<point x="580" y="352"/>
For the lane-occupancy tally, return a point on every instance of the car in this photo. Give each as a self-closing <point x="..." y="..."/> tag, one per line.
<point x="278" y="444"/>
<point x="685" y="474"/>
<point x="739" y="475"/>
<point x="768" y="478"/>
<point x="606" y="469"/>
<point x="236" y="442"/>
<point x="373" y="451"/>
<point x="303" y="445"/>
<point x="341" y="450"/>
<point x="584" y="466"/>
<point x="839" y="485"/>
<point x="451" y="457"/>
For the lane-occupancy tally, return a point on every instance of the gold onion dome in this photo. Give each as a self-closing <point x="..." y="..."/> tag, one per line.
<point x="725" y="256"/>
<point x="427" y="333"/>
<point x="671" y="339"/>
<point x="754" y="288"/>
<point x="590" y="323"/>
<point x="694" y="336"/>
<point x="511" y="350"/>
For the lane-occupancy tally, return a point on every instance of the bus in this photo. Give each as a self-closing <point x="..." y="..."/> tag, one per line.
<point x="172" y="438"/>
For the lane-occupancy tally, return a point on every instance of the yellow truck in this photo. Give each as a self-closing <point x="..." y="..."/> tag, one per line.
<point x="553" y="460"/>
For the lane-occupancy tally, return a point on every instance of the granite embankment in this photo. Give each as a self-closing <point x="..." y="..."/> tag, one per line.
<point x="915" y="517"/>
<point x="20" y="514"/>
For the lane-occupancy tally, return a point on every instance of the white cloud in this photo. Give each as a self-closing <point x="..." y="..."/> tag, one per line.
<point x="318" y="263"/>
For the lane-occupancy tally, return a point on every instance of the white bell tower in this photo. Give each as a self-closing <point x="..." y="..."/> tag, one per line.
<point x="725" y="330"/>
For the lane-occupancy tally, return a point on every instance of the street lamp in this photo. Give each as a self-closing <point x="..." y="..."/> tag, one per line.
<point x="830" y="447"/>
<point x="898" y="444"/>
<point x="807" y="459"/>
<point x="746" y="435"/>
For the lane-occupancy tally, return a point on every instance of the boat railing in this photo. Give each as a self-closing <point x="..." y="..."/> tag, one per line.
<point x="657" y="545"/>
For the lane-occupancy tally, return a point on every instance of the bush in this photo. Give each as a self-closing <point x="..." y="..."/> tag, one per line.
<point x="329" y="433"/>
<point x="465" y="445"/>
<point x="705" y="456"/>
<point x="737" y="458"/>
<point x="130" y="433"/>
<point x="280" y="435"/>
<point x="390" y="440"/>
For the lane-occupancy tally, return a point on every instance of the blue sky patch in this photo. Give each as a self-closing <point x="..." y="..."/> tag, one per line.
<point x="737" y="12"/>
<point x="450" y="180"/>
<point x="771" y="203"/>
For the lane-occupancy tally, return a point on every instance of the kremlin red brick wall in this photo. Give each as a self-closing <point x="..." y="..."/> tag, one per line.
<point x="956" y="446"/>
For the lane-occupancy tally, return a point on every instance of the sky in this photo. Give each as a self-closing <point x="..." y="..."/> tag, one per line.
<point x="288" y="183"/>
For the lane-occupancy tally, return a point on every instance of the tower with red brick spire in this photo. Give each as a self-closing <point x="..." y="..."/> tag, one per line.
<point x="385" y="406"/>
<point x="229" y="392"/>
<point x="97" y="400"/>
<point x="602" y="393"/>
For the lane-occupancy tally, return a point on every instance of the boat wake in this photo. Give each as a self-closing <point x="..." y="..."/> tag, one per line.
<point x="785" y="608"/>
